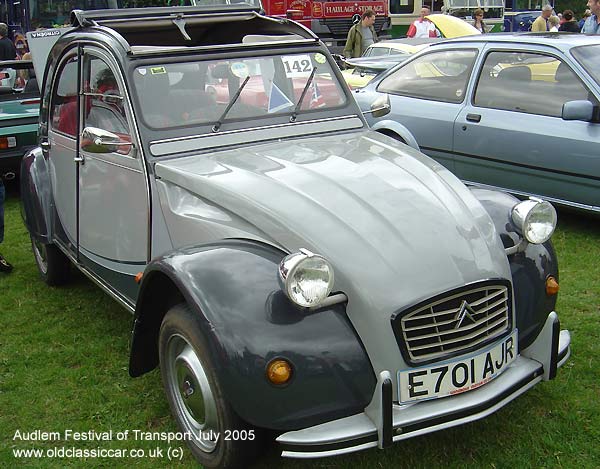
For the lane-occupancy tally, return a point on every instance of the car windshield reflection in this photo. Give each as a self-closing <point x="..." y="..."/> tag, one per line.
<point x="587" y="56"/>
<point x="190" y="93"/>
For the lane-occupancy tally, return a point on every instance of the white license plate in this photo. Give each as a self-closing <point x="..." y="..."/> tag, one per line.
<point x="458" y="376"/>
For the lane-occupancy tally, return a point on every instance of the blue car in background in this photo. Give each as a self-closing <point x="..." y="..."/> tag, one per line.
<point x="19" y="113"/>
<point x="519" y="21"/>
<point x="517" y="112"/>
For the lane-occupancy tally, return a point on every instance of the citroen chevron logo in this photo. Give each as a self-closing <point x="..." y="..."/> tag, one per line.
<point x="465" y="311"/>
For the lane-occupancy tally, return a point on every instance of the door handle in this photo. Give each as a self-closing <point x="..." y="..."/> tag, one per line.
<point x="79" y="159"/>
<point x="474" y="117"/>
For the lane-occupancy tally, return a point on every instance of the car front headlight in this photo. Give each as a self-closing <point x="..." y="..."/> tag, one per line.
<point x="306" y="278"/>
<point x="536" y="219"/>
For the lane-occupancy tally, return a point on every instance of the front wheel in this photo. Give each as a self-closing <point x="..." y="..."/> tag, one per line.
<point x="52" y="264"/>
<point x="196" y="398"/>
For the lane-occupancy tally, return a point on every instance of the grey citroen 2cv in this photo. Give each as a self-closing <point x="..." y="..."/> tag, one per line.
<point x="288" y="269"/>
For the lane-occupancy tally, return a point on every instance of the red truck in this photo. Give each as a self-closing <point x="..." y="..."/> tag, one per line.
<point x="331" y="21"/>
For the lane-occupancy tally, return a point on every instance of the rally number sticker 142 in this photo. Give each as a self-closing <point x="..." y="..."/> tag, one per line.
<point x="297" y="65"/>
<point x="455" y="377"/>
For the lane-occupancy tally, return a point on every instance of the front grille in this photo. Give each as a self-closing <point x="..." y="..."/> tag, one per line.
<point x="341" y="26"/>
<point x="454" y="322"/>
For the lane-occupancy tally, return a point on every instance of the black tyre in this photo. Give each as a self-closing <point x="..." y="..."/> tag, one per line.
<point x="52" y="264"/>
<point x="196" y="398"/>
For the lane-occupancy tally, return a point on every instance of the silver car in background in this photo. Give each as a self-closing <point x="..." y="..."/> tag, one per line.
<point x="513" y="112"/>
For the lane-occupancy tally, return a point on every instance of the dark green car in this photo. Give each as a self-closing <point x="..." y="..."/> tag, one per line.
<point x="19" y="111"/>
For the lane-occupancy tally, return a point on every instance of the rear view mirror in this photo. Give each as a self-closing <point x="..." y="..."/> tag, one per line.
<point x="94" y="140"/>
<point x="380" y="107"/>
<point x="578" y="111"/>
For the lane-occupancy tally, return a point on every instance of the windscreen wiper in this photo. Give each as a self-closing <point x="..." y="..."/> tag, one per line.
<point x="299" y="104"/>
<point x="219" y="122"/>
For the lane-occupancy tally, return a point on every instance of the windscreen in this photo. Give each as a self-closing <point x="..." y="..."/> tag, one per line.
<point x="241" y="89"/>
<point x="589" y="58"/>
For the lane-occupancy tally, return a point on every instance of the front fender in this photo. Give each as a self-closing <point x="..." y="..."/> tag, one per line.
<point x="36" y="195"/>
<point x="247" y="322"/>
<point x="389" y="127"/>
<point x="530" y="268"/>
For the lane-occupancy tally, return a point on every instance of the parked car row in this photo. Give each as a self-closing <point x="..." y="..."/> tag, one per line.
<point x="385" y="54"/>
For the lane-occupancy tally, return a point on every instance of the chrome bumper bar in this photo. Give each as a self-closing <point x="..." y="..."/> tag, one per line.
<point x="384" y="422"/>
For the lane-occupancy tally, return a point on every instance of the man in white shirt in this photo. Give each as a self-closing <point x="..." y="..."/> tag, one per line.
<point x="422" y="27"/>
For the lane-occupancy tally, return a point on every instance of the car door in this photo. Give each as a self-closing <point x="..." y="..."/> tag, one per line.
<point x="61" y="148"/>
<point x="511" y="134"/>
<point x="113" y="191"/>
<point x="426" y="95"/>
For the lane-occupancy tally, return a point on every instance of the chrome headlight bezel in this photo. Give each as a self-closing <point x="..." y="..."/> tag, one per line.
<point x="291" y="265"/>
<point x="526" y="214"/>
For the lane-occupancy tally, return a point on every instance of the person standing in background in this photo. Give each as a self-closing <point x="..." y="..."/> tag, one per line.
<point x="592" y="24"/>
<point x="553" y="23"/>
<point x="570" y="25"/>
<point x="8" y="50"/>
<point x="585" y="16"/>
<point x="422" y="27"/>
<point x="361" y="35"/>
<point x="4" y="265"/>
<point x="541" y="22"/>
<point x="478" y="23"/>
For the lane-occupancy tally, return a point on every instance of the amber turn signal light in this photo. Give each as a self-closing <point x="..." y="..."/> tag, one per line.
<point x="552" y="286"/>
<point x="7" y="142"/>
<point x="279" y="371"/>
<point x="138" y="277"/>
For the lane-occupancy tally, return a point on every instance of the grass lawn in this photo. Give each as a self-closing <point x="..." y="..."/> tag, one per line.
<point x="64" y="359"/>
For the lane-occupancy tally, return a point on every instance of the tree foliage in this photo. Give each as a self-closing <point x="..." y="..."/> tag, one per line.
<point x="577" y="6"/>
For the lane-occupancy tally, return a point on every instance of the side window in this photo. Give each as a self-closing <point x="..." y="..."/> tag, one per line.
<point x="402" y="6"/>
<point x="63" y="104"/>
<point x="527" y="82"/>
<point x="439" y="76"/>
<point x="18" y="81"/>
<point x="104" y="102"/>
<point x="377" y="51"/>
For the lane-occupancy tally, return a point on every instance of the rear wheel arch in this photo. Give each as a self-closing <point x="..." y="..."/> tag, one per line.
<point x="36" y="195"/>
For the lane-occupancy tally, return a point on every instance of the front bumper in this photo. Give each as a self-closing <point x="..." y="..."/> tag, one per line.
<point x="384" y="422"/>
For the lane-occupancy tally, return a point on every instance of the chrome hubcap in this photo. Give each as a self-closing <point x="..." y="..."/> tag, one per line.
<point x="194" y="399"/>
